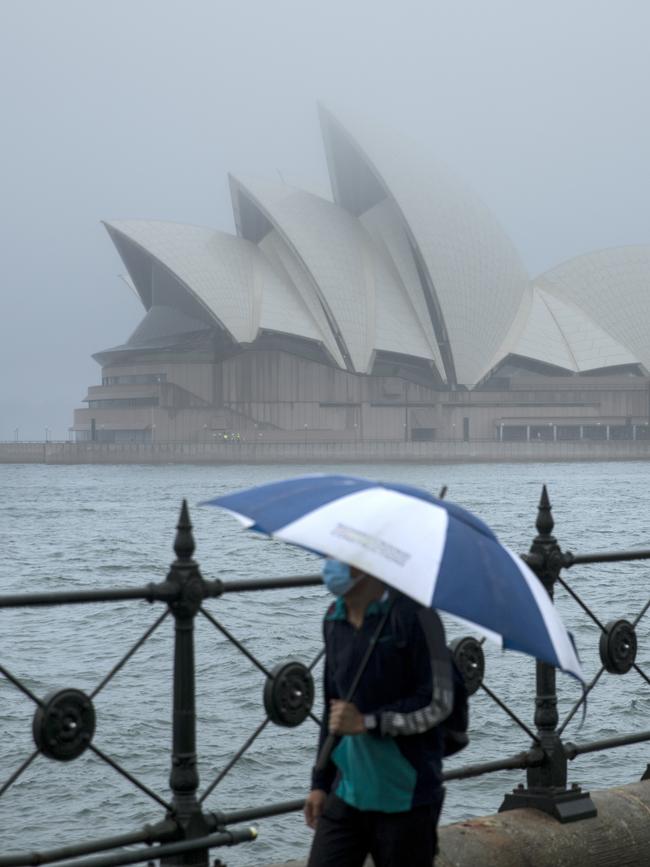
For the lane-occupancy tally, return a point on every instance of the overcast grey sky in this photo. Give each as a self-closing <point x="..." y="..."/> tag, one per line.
<point x="139" y="108"/>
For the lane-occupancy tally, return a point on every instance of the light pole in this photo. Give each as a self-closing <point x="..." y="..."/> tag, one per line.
<point x="47" y="434"/>
<point x="16" y="430"/>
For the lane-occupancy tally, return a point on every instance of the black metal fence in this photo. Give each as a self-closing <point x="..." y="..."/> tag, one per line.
<point x="64" y="721"/>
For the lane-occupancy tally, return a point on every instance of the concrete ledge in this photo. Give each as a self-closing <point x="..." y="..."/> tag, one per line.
<point x="618" y="837"/>
<point x="320" y="452"/>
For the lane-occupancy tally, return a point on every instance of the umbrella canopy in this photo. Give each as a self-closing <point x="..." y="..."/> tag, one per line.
<point x="429" y="549"/>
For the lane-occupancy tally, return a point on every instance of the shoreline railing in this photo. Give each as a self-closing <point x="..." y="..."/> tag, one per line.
<point x="64" y="721"/>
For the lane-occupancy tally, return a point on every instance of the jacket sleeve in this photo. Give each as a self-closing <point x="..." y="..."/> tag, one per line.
<point x="324" y="779"/>
<point x="432" y="699"/>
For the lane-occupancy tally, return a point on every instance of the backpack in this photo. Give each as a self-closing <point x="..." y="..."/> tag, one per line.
<point x="454" y="728"/>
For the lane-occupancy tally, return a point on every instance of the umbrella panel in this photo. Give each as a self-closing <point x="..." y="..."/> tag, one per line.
<point x="432" y="550"/>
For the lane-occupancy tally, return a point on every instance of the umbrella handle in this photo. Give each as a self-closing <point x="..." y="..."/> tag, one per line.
<point x="325" y="753"/>
<point x="330" y="741"/>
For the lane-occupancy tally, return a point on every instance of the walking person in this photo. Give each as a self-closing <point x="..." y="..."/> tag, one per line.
<point x="380" y="792"/>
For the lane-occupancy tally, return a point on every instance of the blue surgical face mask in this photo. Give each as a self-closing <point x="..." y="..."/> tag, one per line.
<point x="337" y="577"/>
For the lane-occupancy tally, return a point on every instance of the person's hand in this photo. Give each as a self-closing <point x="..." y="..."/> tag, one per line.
<point x="314" y="806"/>
<point x="345" y="718"/>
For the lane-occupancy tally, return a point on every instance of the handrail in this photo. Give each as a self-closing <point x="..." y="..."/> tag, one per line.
<point x="210" y="841"/>
<point x="160" y="833"/>
<point x="163" y="592"/>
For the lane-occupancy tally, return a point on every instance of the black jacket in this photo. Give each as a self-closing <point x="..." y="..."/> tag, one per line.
<point x="406" y="691"/>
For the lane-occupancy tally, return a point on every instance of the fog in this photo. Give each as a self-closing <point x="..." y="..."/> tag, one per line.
<point x="139" y="108"/>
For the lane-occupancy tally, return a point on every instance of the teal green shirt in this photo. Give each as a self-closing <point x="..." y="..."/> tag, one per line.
<point x="374" y="774"/>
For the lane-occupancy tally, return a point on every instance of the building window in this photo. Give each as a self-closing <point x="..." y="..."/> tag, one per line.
<point x="514" y="432"/>
<point x="135" y="378"/>
<point x="123" y="402"/>
<point x="423" y="434"/>
<point x="539" y="432"/>
<point x="566" y="432"/>
<point x="594" y="432"/>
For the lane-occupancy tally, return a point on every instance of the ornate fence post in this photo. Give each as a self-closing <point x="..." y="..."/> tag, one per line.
<point x="184" y="777"/>
<point x="547" y="784"/>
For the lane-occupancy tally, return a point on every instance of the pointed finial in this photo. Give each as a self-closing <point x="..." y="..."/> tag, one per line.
<point x="184" y="542"/>
<point x="545" y="522"/>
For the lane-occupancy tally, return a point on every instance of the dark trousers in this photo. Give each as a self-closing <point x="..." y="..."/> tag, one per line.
<point x="345" y="836"/>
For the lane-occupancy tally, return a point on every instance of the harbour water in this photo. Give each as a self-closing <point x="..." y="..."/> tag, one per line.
<point x="75" y="527"/>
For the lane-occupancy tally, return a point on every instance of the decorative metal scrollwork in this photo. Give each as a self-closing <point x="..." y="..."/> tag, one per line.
<point x="64" y="724"/>
<point x="618" y="647"/>
<point x="289" y="694"/>
<point x="468" y="656"/>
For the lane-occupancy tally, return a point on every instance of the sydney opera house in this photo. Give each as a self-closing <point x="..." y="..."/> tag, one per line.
<point x="397" y="309"/>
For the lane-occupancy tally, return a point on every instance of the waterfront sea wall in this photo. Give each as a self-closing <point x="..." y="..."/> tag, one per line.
<point x="321" y="452"/>
<point x="618" y="835"/>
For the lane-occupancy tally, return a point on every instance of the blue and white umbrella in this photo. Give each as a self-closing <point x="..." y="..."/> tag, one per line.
<point x="432" y="550"/>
